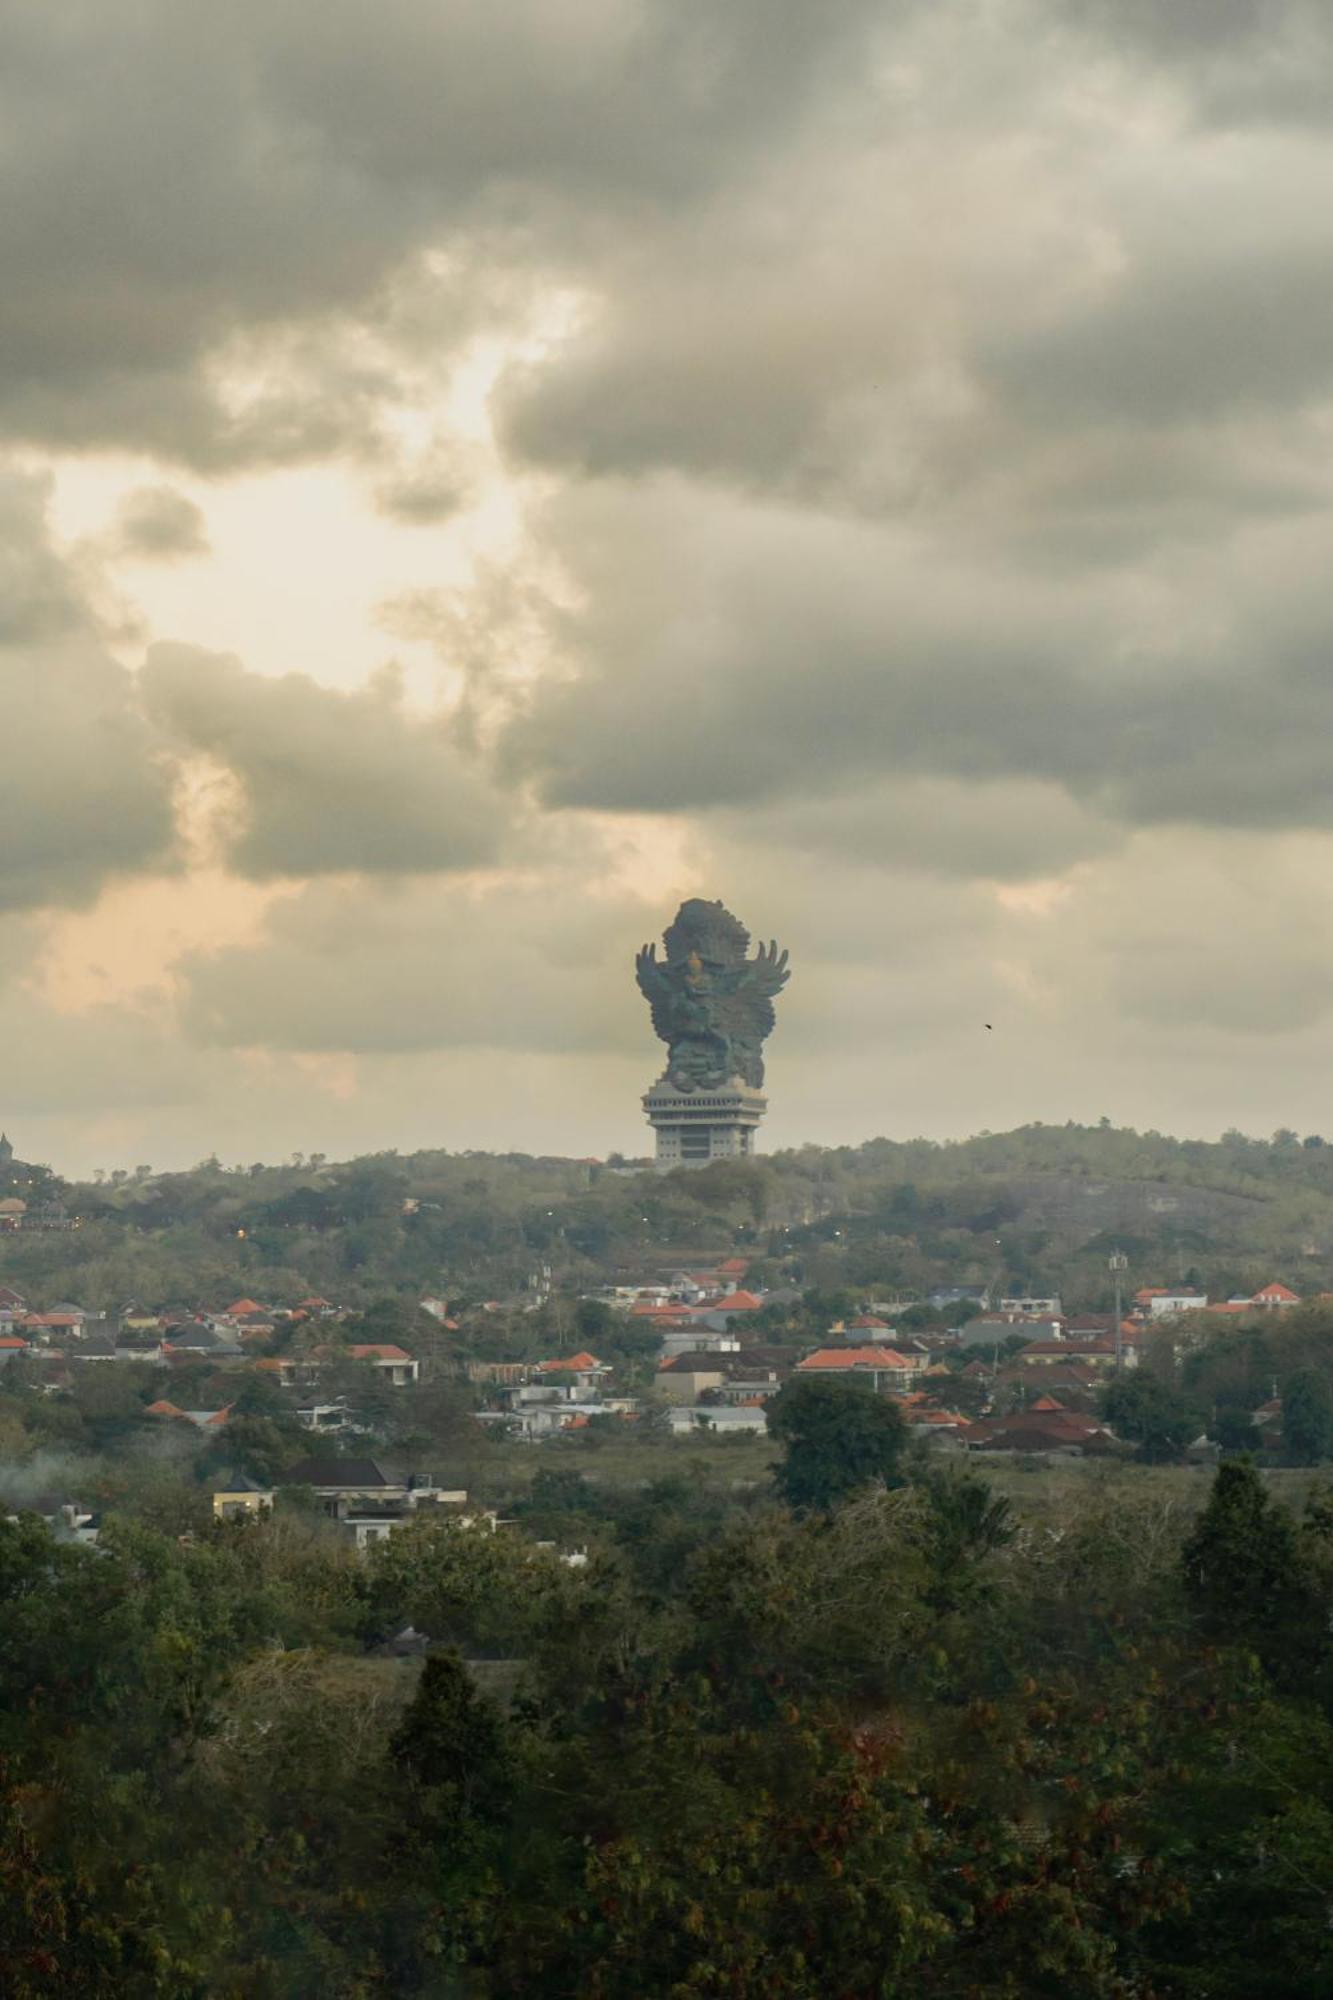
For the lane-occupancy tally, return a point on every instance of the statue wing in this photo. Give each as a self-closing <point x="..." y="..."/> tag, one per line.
<point x="658" y="991"/>
<point x="747" y="1005"/>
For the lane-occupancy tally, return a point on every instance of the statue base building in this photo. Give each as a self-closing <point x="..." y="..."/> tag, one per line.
<point x="694" y="1127"/>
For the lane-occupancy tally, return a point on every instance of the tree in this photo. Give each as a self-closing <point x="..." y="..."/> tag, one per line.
<point x="1150" y="1414"/>
<point x="1246" y="1576"/>
<point x="836" y="1437"/>
<point x="1233" y="1429"/>
<point x="1307" y="1418"/>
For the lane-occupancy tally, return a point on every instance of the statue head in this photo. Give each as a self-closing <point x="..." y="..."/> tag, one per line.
<point x="707" y="931"/>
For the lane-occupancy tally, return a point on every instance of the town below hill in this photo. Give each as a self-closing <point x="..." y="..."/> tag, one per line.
<point x="785" y="1576"/>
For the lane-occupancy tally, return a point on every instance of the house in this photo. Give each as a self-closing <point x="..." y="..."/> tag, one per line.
<point x="1048" y="1429"/>
<point x="1032" y="1308"/>
<point x="68" y="1520"/>
<point x="881" y="1367"/>
<point x="1164" y="1303"/>
<point x="720" y="1312"/>
<point x="204" y="1420"/>
<point x="575" y="1374"/>
<point x="725" y="1419"/>
<point x="336" y="1479"/>
<point x="317" y="1308"/>
<point x="1053" y="1353"/>
<point x="195" y="1340"/>
<point x="281" y="1369"/>
<point x="1090" y="1326"/>
<point x="100" y="1348"/>
<point x="368" y="1502"/>
<point x="696" y="1338"/>
<point x="1274" y="1297"/>
<point x="393" y="1364"/>
<point x="993" y="1329"/>
<point x="682" y="1378"/>
<point x="12" y="1301"/>
<point x="328" y="1418"/>
<point x="236" y="1496"/>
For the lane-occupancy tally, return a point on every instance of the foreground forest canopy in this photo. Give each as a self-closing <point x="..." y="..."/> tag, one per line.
<point x="1039" y="1209"/>
<point x="902" y="1741"/>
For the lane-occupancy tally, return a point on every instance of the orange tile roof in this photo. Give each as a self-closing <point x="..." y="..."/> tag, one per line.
<point x="1279" y="1291"/>
<point x="576" y="1364"/>
<point x="381" y="1350"/>
<point x="245" y="1306"/>
<point x="832" y="1358"/>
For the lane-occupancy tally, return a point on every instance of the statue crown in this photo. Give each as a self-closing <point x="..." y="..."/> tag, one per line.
<point x="708" y="929"/>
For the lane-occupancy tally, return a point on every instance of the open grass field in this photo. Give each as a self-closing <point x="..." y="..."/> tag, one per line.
<point x="1040" y="1488"/>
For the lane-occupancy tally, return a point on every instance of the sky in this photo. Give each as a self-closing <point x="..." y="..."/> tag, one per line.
<point x="473" y="475"/>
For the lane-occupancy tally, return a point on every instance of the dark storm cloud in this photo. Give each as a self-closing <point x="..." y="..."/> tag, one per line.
<point x="181" y="175"/>
<point x="329" y="782"/>
<point x="732" y="657"/>
<point x="84" y="794"/>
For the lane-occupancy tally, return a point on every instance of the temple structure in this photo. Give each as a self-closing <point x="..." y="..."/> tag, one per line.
<point x="712" y="1005"/>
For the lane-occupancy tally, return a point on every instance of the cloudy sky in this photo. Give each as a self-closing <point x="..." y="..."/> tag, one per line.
<point x="472" y="474"/>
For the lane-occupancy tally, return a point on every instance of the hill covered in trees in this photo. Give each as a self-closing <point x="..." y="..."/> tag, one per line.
<point x="1038" y="1209"/>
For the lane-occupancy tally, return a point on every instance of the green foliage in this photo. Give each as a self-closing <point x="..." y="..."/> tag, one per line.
<point x="1307" y="1417"/>
<point x="837" y="1437"/>
<point x="1151" y="1414"/>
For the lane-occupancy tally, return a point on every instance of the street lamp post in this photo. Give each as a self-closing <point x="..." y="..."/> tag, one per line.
<point x="1118" y="1264"/>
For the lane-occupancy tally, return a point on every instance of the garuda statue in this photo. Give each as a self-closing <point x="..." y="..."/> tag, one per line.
<point x="711" y="1003"/>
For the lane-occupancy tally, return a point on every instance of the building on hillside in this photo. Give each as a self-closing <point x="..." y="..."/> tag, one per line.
<point x="1275" y="1297"/>
<point x="1032" y="1308"/>
<point x="393" y="1364"/>
<point x="237" y="1497"/>
<point x="367" y="1502"/>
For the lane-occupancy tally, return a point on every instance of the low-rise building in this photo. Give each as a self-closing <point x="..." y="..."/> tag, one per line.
<point x="394" y="1364"/>
<point x="881" y="1367"/>
<point x="236" y="1496"/>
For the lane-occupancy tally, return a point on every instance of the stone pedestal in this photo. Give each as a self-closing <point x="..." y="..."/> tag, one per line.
<point x="696" y="1126"/>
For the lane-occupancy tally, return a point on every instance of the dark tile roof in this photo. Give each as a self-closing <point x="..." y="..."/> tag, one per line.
<point x="356" y="1474"/>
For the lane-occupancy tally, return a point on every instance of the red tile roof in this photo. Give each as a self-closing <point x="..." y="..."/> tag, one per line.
<point x="379" y="1351"/>
<point x="576" y="1364"/>
<point x="245" y="1306"/>
<point x="1280" y="1292"/>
